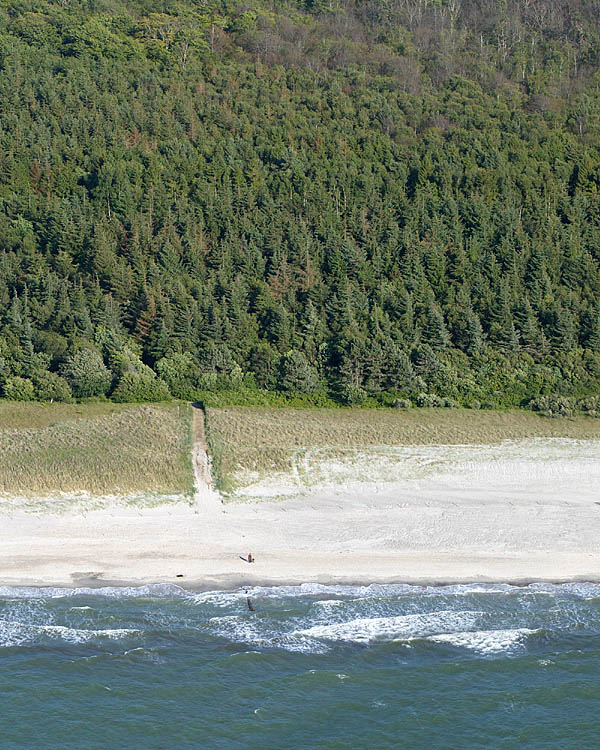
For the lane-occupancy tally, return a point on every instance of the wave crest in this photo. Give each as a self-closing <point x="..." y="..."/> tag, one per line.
<point x="399" y="627"/>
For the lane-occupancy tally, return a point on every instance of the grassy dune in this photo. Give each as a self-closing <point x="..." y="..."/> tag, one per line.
<point x="108" y="448"/>
<point x="99" y="448"/>
<point x="264" y="440"/>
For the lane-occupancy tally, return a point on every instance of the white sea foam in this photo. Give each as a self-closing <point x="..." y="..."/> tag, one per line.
<point x="263" y="634"/>
<point x="326" y="607"/>
<point x="585" y="590"/>
<point x="306" y="590"/>
<point x="344" y="591"/>
<point x="582" y="590"/>
<point x="218" y="598"/>
<point x="149" y="591"/>
<point x="302" y="591"/>
<point x="400" y="627"/>
<point x="486" y="641"/>
<point x="14" y="633"/>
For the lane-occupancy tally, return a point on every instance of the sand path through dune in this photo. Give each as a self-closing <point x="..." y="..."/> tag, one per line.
<point x="207" y="500"/>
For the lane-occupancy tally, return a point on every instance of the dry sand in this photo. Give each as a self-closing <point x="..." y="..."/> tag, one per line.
<point x="519" y="511"/>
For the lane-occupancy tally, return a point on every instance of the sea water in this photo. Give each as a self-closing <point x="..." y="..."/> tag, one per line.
<point x="473" y="666"/>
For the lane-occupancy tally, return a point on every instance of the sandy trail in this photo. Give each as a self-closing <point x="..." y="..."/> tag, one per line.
<point x="206" y="498"/>
<point x="528" y="511"/>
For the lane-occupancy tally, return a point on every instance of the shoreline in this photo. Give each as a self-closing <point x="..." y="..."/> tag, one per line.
<point x="234" y="584"/>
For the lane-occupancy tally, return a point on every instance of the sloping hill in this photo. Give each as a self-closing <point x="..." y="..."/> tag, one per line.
<point x="346" y="197"/>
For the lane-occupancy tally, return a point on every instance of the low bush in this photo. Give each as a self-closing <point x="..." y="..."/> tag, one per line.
<point x="553" y="406"/>
<point x="86" y="374"/>
<point x="51" y="387"/>
<point x="590" y="405"/>
<point x="352" y="395"/>
<point x="16" y="388"/>
<point x="140" y="386"/>
<point x="450" y="403"/>
<point x="430" y="400"/>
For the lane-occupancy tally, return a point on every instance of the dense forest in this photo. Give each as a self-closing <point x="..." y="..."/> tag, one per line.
<point x="371" y="201"/>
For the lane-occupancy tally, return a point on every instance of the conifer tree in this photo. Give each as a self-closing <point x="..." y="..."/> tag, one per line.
<point x="435" y="332"/>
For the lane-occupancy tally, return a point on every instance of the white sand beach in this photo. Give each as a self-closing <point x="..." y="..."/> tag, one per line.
<point x="513" y="512"/>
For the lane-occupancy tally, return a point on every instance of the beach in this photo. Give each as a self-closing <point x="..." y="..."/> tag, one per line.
<point x="514" y="512"/>
<point x="444" y="593"/>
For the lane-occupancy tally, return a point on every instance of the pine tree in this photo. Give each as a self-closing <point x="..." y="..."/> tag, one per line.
<point x="474" y="336"/>
<point x="593" y="338"/>
<point x="532" y="336"/>
<point x="435" y="332"/>
<point x="296" y="374"/>
<point x="509" y="340"/>
<point x="565" y="330"/>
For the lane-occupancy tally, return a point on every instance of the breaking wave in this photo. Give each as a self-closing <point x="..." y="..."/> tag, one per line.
<point x="477" y="619"/>
<point x="21" y="634"/>
<point x="487" y="641"/>
<point x="401" y="627"/>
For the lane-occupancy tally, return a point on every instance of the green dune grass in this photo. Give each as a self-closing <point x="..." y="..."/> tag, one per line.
<point x="99" y="448"/>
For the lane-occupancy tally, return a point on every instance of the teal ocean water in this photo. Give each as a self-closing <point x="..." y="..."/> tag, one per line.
<point x="474" y="666"/>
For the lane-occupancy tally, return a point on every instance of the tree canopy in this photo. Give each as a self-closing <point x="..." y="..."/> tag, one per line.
<point x="344" y="197"/>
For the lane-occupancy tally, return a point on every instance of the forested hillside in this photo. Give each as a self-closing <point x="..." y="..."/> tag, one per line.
<point x="378" y="199"/>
